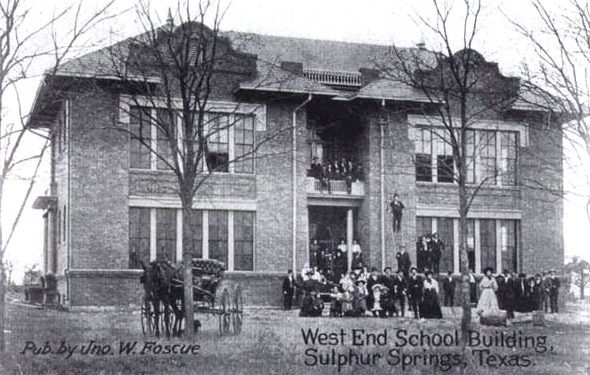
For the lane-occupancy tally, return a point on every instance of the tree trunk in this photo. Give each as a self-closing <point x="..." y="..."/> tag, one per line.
<point x="187" y="256"/>
<point x="2" y="299"/>
<point x="2" y="288"/>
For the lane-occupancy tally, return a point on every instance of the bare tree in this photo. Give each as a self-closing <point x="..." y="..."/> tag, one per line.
<point x="458" y="89"/>
<point x="26" y="43"/>
<point x="558" y="79"/>
<point x="174" y="76"/>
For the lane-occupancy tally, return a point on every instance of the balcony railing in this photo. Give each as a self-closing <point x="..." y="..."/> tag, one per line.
<point x="337" y="188"/>
<point x="333" y="77"/>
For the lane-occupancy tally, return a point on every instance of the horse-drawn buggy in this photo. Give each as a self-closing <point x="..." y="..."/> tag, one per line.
<point x="163" y="303"/>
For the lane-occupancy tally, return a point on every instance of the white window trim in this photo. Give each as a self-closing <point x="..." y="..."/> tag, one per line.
<point x="478" y="172"/>
<point x="230" y="108"/>
<point x="205" y="236"/>
<point x="477" y="241"/>
<point x="522" y="128"/>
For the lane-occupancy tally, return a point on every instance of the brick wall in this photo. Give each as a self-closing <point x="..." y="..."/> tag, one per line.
<point x="540" y="176"/>
<point x="100" y="179"/>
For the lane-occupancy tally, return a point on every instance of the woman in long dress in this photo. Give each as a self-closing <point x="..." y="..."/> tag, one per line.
<point x="488" y="287"/>
<point x="430" y="307"/>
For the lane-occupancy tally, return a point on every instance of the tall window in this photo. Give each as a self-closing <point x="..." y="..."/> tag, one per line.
<point x="508" y="235"/>
<point x="141" y="133"/>
<point x="444" y="156"/>
<point x="243" y="241"/>
<point x="218" y="235"/>
<point x="166" y="234"/>
<point x="508" y="158"/>
<point x="218" y="142"/>
<point x="445" y="231"/>
<point x="166" y="131"/>
<point x="470" y="156"/>
<point x="487" y="230"/>
<point x="196" y="233"/>
<point x="423" y="145"/>
<point x="487" y="143"/>
<point x="423" y="226"/>
<point x="139" y="236"/>
<point x="244" y="144"/>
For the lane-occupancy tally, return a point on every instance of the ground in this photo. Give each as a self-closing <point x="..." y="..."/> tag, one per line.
<point x="272" y="343"/>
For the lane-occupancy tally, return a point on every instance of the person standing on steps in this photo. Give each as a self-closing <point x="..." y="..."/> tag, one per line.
<point x="397" y="208"/>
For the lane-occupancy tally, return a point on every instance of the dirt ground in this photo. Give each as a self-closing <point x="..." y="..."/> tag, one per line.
<point x="273" y="342"/>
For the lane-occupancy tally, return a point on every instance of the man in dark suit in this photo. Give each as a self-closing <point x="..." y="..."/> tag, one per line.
<point x="449" y="289"/>
<point x="389" y="281"/>
<point x="512" y="292"/>
<point x="399" y="287"/>
<point x="554" y="285"/>
<point x="288" y="290"/>
<point x="403" y="261"/>
<point x="397" y="208"/>
<point x="415" y="285"/>
<point x="437" y="248"/>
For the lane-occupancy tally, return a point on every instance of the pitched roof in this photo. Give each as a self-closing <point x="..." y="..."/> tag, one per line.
<point x="312" y="53"/>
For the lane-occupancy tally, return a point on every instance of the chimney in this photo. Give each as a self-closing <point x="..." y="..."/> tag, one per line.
<point x="421" y="45"/>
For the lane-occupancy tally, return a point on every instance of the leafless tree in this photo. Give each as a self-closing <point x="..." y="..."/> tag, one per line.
<point x="26" y="42"/>
<point x="558" y="78"/>
<point x="175" y="74"/>
<point x="458" y="89"/>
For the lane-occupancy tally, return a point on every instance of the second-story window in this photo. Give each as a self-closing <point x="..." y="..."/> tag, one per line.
<point x="424" y="155"/>
<point x="445" y="164"/>
<point x="165" y="134"/>
<point x="244" y="144"/>
<point x="140" y="137"/>
<point x="508" y="158"/>
<point x="487" y="154"/>
<point x="218" y="142"/>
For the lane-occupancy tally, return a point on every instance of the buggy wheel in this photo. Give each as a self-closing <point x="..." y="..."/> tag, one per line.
<point x="147" y="318"/>
<point x="238" y="310"/>
<point x="224" y="315"/>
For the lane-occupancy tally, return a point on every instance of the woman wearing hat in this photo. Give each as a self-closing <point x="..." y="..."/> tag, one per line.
<point x="488" y="287"/>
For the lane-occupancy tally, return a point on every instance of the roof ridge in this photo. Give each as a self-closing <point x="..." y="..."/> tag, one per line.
<point x="378" y="45"/>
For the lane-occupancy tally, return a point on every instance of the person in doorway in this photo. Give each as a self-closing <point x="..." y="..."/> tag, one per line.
<point x="449" y="289"/>
<point x="397" y="208"/>
<point x="288" y="290"/>
<point x="314" y="251"/>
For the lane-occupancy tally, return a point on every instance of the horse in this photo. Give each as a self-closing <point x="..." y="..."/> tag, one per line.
<point x="163" y="287"/>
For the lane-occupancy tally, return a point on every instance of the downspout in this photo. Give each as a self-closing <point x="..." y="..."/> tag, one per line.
<point x="382" y="184"/>
<point x="294" y="177"/>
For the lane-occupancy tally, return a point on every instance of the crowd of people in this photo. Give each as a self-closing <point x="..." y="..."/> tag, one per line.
<point x="361" y="292"/>
<point x="336" y="170"/>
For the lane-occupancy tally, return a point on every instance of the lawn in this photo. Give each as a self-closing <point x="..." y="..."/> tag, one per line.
<point x="272" y="343"/>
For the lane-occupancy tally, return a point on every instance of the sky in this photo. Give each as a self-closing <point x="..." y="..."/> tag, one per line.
<point x="371" y="21"/>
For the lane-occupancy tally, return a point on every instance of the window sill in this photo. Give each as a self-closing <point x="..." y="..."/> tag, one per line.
<point x="167" y="171"/>
<point x="469" y="186"/>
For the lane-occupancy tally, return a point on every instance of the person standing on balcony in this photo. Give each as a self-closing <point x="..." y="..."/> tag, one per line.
<point x="397" y="208"/>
